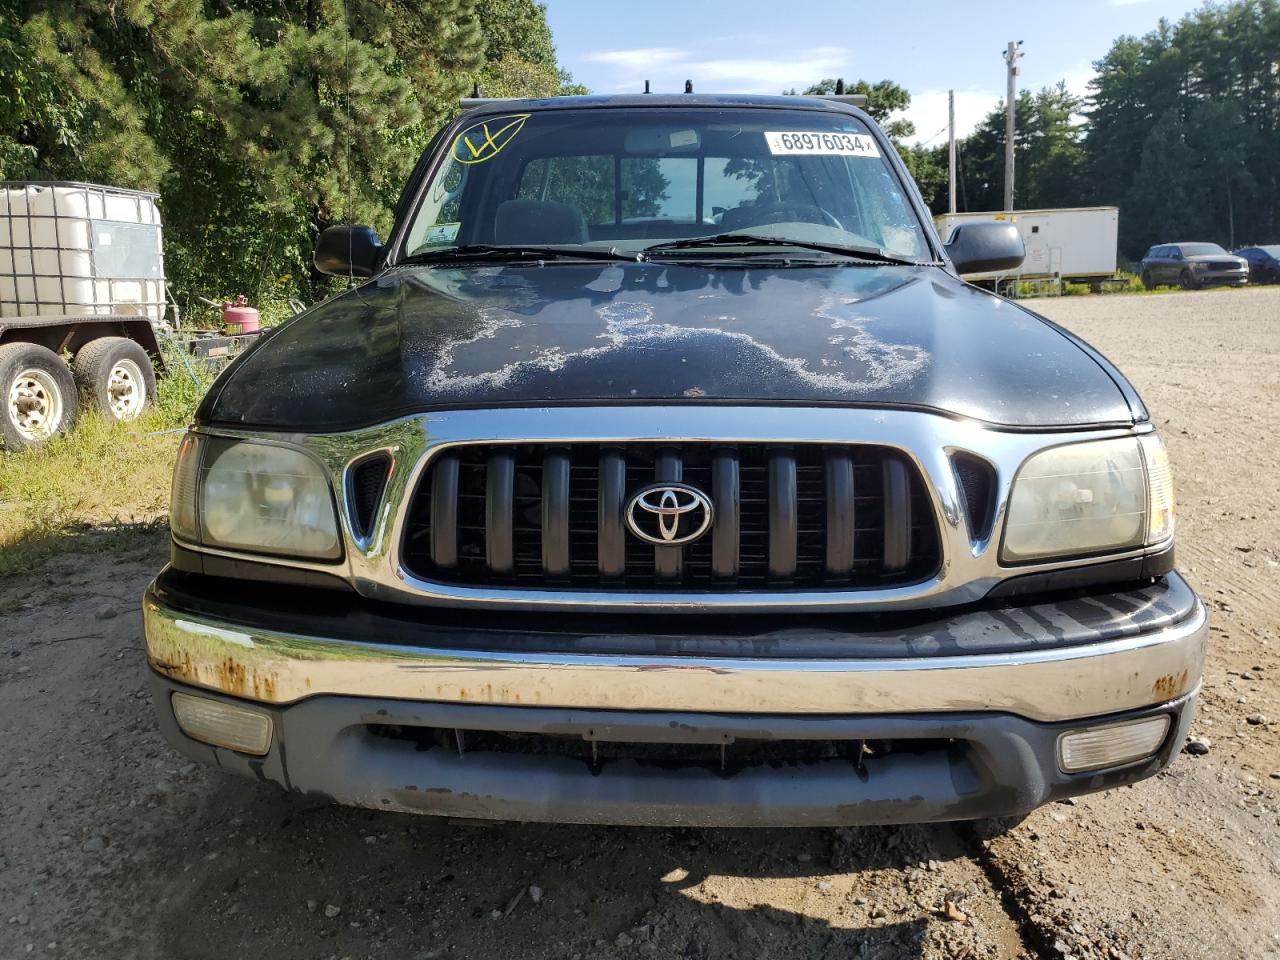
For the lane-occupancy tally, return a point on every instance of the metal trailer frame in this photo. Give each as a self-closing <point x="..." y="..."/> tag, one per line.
<point x="69" y="332"/>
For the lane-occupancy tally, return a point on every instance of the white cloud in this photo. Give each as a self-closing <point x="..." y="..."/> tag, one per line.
<point x="667" y="69"/>
<point x="928" y="111"/>
<point x="637" y="59"/>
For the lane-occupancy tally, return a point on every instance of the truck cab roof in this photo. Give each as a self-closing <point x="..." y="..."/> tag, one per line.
<point x="481" y="107"/>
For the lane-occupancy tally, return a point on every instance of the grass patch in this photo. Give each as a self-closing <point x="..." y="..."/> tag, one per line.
<point x="103" y="485"/>
<point x="1134" y="285"/>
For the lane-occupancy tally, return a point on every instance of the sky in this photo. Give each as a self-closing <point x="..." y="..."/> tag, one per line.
<point x="926" y="46"/>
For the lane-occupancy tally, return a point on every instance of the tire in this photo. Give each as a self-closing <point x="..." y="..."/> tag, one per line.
<point x="37" y="395"/>
<point x="1187" y="282"/>
<point x="1147" y="282"/>
<point x="115" y="377"/>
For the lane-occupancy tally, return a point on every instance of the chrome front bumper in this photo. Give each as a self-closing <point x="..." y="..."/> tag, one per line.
<point x="1052" y="682"/>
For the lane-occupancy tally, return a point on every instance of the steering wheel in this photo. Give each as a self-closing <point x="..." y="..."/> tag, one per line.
<point x="756" y="216"/>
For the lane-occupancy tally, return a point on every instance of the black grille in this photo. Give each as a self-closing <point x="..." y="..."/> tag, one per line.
<point x="728" y="756"/>
<point x="806" y="516"/>
<point x="367" y="479"/>
<point x="977" y="481"/>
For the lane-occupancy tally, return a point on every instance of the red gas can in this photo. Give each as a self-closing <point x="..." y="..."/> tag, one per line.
<point x="238" y="317"/>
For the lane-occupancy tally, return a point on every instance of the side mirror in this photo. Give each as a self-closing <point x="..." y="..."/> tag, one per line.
<point x="984" y="246"/>
<point x="346" y="251"/>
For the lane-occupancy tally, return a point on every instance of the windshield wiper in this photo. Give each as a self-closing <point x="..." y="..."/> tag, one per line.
<point x="751" y="240"/>
<point x="491" y="251"/>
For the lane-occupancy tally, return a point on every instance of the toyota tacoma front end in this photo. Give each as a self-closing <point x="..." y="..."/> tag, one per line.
<point x="663" y="471"/>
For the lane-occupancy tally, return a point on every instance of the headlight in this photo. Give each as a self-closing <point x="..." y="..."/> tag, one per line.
<point x="1089" y="498"/>
<point x="258" y="497"/>
<point x="1199" y="265"/>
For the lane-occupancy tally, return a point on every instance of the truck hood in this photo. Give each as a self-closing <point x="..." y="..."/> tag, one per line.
<point x="425" y="338"/>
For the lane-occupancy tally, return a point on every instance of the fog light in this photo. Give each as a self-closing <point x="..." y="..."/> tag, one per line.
<point x="223" y="724"/>
<point x="1112" y="745"/>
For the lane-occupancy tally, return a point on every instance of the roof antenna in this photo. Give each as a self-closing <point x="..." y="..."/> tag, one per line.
<point x="688" y="86"/>
<point x="475" y="90"/>
<point x="840" y="87"/>
<point x="646" y="86"/>
<point x="351" y="195"/>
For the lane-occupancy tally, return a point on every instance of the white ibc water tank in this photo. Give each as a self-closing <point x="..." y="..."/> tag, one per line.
<point x="69" y="249"/>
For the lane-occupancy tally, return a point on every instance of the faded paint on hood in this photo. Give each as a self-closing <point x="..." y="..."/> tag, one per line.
<point x="423" y="338"/>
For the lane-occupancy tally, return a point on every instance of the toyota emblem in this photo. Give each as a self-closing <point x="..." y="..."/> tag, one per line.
<point x="669" y="514"/>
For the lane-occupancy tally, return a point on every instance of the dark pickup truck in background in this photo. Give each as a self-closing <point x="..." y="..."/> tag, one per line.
<point x="663" y="471"/>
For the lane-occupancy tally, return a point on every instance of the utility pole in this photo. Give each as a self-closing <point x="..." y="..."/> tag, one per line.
<point x="951" y="150"/>
<point x="1011" y="57"/>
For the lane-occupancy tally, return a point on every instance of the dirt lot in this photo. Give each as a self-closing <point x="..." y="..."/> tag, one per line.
<point x="113" y="846"/>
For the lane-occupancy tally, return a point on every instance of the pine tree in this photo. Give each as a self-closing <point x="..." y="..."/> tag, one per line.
<point x="1168" y="199"/>
<point x="258" y="121"/>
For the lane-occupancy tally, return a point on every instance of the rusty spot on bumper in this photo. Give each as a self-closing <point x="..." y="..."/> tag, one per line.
<point x="1170" y="685"/>
<point x="227" y="675"/>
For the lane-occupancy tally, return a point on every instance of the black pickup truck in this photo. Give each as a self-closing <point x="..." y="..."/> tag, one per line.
<point x="660" y="469"/>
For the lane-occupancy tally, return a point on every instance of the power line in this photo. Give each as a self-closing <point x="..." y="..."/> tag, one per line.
<point x="925" y="143"/>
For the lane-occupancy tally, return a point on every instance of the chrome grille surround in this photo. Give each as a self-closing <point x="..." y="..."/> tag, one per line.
<point x="786" y="517"/>
<point x="968" y="569"/>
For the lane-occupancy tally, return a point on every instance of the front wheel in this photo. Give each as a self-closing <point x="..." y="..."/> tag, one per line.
<point x="39" y="395"/>
<point x="1147" y="282"/>
<point x="1187" y="281"/>
<point x="116" y="377"/>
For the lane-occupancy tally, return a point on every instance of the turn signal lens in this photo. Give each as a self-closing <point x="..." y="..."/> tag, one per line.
<point x="182" y="496"/>
<point x="1111" y="746"/>
<point x="223" y="724"/>
<point x="1160" y="499"/>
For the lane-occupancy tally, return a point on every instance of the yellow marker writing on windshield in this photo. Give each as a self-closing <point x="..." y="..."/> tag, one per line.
<point x="483" y="140"/>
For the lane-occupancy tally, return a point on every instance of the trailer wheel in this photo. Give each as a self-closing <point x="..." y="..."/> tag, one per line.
<point x="115" y="375"/>
<point x="39" y="395"/>
<point x="1147" y="282"/>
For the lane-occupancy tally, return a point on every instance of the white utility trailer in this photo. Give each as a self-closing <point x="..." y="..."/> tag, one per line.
<point x="1071" y="243"/>
<point x="83" y="306"/>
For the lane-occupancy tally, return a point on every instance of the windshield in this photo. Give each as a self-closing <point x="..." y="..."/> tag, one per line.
<point x="1272" y="251"/>
<point x="632" y="178"/>
<point x="1200" y="249"/>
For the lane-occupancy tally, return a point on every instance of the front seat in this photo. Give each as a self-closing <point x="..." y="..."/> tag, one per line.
<point x="539" y="222"/>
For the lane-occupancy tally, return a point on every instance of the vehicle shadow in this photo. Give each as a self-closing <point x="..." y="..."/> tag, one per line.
<point x="286" y="876"/>
<point x="123" y="540"/>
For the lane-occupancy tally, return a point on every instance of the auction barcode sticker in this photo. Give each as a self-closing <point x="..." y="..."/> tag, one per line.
<point x="823" y="144"/>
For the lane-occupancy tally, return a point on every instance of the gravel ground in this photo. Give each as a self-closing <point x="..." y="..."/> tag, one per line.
<point x="113" y="846"/>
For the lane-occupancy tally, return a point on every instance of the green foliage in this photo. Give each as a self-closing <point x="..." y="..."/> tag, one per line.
<point x="1048" y="154"/>
<point x="236" y="112"/>
<point x="104" y="484"/>
<point x="1185" y="127"/>
<point x="884" y="99"/>
<point x="1181" y="131"/>
<point x="928" y="167"/>
<point x="1133" y="282"/>
<point x="519" y="55"/>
